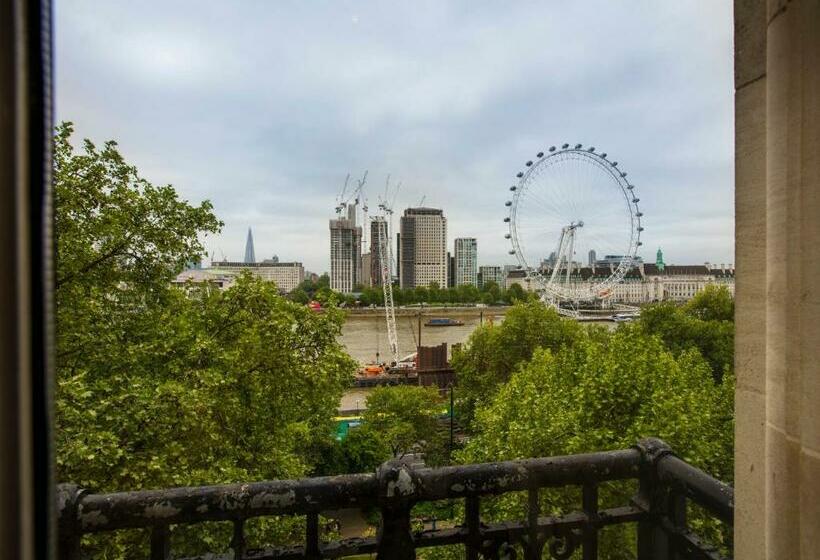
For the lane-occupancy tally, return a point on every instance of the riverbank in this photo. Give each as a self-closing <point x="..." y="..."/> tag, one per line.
<point x="430" y="310"/>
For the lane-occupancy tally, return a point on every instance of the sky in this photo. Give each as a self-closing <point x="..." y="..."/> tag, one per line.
<point x="263" y="108"/>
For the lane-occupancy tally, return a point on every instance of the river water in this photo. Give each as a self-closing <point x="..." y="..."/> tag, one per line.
<point x="364" y="335"/>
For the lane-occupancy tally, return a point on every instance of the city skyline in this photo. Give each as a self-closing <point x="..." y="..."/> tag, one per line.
<point x="437" y="96"/>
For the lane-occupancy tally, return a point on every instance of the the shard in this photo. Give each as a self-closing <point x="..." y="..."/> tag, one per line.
<point x="250" y="255"/>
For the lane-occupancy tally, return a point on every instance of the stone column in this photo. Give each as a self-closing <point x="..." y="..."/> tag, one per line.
<point x="777" y="205"/>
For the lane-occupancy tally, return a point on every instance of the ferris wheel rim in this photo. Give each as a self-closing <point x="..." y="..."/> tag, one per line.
<point x="533" y="169"/>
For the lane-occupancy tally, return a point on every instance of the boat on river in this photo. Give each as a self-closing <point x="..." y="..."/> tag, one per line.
<point x="443" y="322"/>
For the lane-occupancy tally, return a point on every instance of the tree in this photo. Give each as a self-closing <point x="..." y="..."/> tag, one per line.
<point x="515" y="293"/>
<point x="706" y="322"/>
<point x="493" y="352"/>
<point x="404" y="417"/>
<point x="158" y="386"/>
<point x="713" y="303"/>
<point x="599" y="395"/>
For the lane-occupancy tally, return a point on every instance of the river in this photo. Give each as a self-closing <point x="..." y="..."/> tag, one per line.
<point x="365" y="334"/>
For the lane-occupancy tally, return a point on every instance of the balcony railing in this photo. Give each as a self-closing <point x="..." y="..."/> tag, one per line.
<point x="658" y="510"/>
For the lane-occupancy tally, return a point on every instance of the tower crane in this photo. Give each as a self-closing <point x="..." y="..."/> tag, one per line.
<point x="386" y="265"/>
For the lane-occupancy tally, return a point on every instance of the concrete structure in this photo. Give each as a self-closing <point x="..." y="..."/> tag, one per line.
<point x="490" y="274"/>
<point x="286" y="275"/>
<point x="378" y="230"/>
<point x="777" y="321"/>
<point x="423" y="248"/>
<point x="365" y="274"/>
<point x="345" y="251"/>
<point x="250" y="253"/>
<point x="220" y="280"/>
<point x="466" y="261"/>
<point x="591" y="258"/>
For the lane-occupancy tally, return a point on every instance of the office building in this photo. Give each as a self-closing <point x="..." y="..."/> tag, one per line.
<point x="286" y="275"/>
<point x="423" y="248"/>
<point x="466" y="255"/>
<point x="487" y="274"/>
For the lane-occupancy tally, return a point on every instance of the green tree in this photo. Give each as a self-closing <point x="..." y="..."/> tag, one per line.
<point x="713" y="303"/>
<point x="705" y="323"/>
<point x="514" y="294"/>
<point x="404" y="417"/>
<point x="605" y="394"/>
<point x="158" y="386"/>
<point x="493" y="352"/>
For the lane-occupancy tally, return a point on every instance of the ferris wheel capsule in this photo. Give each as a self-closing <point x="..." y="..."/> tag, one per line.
<point x="539" y="154"/>
<point x="565" y="146"/>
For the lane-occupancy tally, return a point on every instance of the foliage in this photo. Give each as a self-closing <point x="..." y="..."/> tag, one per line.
<point x="404" y="417"/>
<point x="489" y="294"/>
<point x="158" y="386"/>
<point x="493" y="352"/>
<point x="713" y="303"/>
<point x="598" y="395"/>
<point x="706" y="323"/>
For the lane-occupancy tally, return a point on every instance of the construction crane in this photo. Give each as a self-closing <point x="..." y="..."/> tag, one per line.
<point x="386" y="265"/>
<point x="340" y="198"/>
<point x="421" y="202"/>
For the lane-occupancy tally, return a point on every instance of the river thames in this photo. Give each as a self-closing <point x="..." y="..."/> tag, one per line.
<point x="363" y="335"/>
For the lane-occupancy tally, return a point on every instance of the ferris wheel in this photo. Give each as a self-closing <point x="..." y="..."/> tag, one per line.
<point x="570" y="207"/>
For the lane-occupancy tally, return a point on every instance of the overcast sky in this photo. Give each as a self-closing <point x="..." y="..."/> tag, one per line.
<point x="263" y="107"/>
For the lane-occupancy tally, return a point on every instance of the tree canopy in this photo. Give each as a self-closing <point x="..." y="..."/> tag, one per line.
<point x="159" y="386"/>
<point x="706" y="323"/>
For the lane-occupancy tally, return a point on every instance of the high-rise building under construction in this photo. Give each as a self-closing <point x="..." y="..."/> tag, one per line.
<point x="345" y="250"/>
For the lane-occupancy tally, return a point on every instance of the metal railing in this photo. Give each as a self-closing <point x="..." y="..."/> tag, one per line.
<point x="658" y="509"/>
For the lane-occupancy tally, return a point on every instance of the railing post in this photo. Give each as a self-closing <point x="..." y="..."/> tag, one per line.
<point x="653" y="541"/>
<point x="676" y="507"/>
<point x="68" y="523"/>
<point x="397" y="488"/>
<point x="160" y="543"/>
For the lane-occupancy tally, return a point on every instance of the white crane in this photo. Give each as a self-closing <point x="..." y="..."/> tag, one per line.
<point x="386" y="265"/>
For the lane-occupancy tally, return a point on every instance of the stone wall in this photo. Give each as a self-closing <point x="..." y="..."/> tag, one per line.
<point x="777" y="205"/>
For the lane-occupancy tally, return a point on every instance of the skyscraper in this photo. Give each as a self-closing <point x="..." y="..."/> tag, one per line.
<point x="250" y="254"/>
<point x="592" y="258"/>
<point x="423" y="248"/>
<point x="345" y="251"/>
<point x="466" y="255"/>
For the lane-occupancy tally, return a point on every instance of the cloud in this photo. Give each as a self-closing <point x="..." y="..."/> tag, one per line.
<point x="264" y="107"/>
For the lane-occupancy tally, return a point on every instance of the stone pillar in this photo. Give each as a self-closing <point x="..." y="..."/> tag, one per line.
<point x="777" y="207"/>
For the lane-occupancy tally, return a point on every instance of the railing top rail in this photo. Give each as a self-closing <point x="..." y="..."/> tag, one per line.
<point x="716" y="496"/>
<point x="507" y="476"/>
